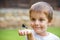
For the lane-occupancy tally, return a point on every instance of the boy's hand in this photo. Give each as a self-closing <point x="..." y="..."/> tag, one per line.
<point x="28" y="33"/>
<point x="25" y="32"/>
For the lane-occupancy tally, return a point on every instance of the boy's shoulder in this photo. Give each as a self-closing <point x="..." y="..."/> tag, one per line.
<point x="50" y="36"/>
<point x="53" y="36"/>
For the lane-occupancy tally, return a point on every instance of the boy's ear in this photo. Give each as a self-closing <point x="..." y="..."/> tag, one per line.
<point x="49" y="24"/>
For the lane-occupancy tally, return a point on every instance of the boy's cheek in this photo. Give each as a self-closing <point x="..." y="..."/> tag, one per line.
<point x="31" y="23"/>
<point x="45" y="23"/>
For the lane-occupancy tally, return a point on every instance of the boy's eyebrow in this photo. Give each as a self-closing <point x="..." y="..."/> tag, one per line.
<point x="32" y="18"/>
<point x="41" y="19"/>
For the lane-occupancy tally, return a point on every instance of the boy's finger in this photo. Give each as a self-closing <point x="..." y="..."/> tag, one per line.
<point x="21" y="33"/>
<point x="26" y="32"/>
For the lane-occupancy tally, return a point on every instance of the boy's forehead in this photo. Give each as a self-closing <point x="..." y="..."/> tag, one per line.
<point x="38" y="14"/>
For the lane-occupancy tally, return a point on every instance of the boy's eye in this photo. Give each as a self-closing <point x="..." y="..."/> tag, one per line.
<point x="33" y="19"/>
<point x="41" y="19"/>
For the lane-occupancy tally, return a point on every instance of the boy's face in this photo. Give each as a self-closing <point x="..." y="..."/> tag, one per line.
<point x="39" y="21"/>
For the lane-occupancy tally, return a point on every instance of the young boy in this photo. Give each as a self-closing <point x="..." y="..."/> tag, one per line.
<point x="41" y="14"/>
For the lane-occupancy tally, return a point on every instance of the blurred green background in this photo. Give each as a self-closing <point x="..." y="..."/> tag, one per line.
<point x="12" y="34"/>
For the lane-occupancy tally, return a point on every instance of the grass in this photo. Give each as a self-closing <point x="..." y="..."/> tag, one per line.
<point x="54" y="30"/>
<point x="7" y="34"/>
<point x="10" y="35"/>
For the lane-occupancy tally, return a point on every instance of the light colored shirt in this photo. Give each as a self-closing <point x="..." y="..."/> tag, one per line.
<point x="50" y="36"/>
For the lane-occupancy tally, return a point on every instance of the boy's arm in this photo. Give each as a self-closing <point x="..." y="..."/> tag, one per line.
<point x="30" y="37"/>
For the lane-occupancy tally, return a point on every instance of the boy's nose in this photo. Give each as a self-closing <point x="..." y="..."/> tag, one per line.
<point x="37" y="22"/>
